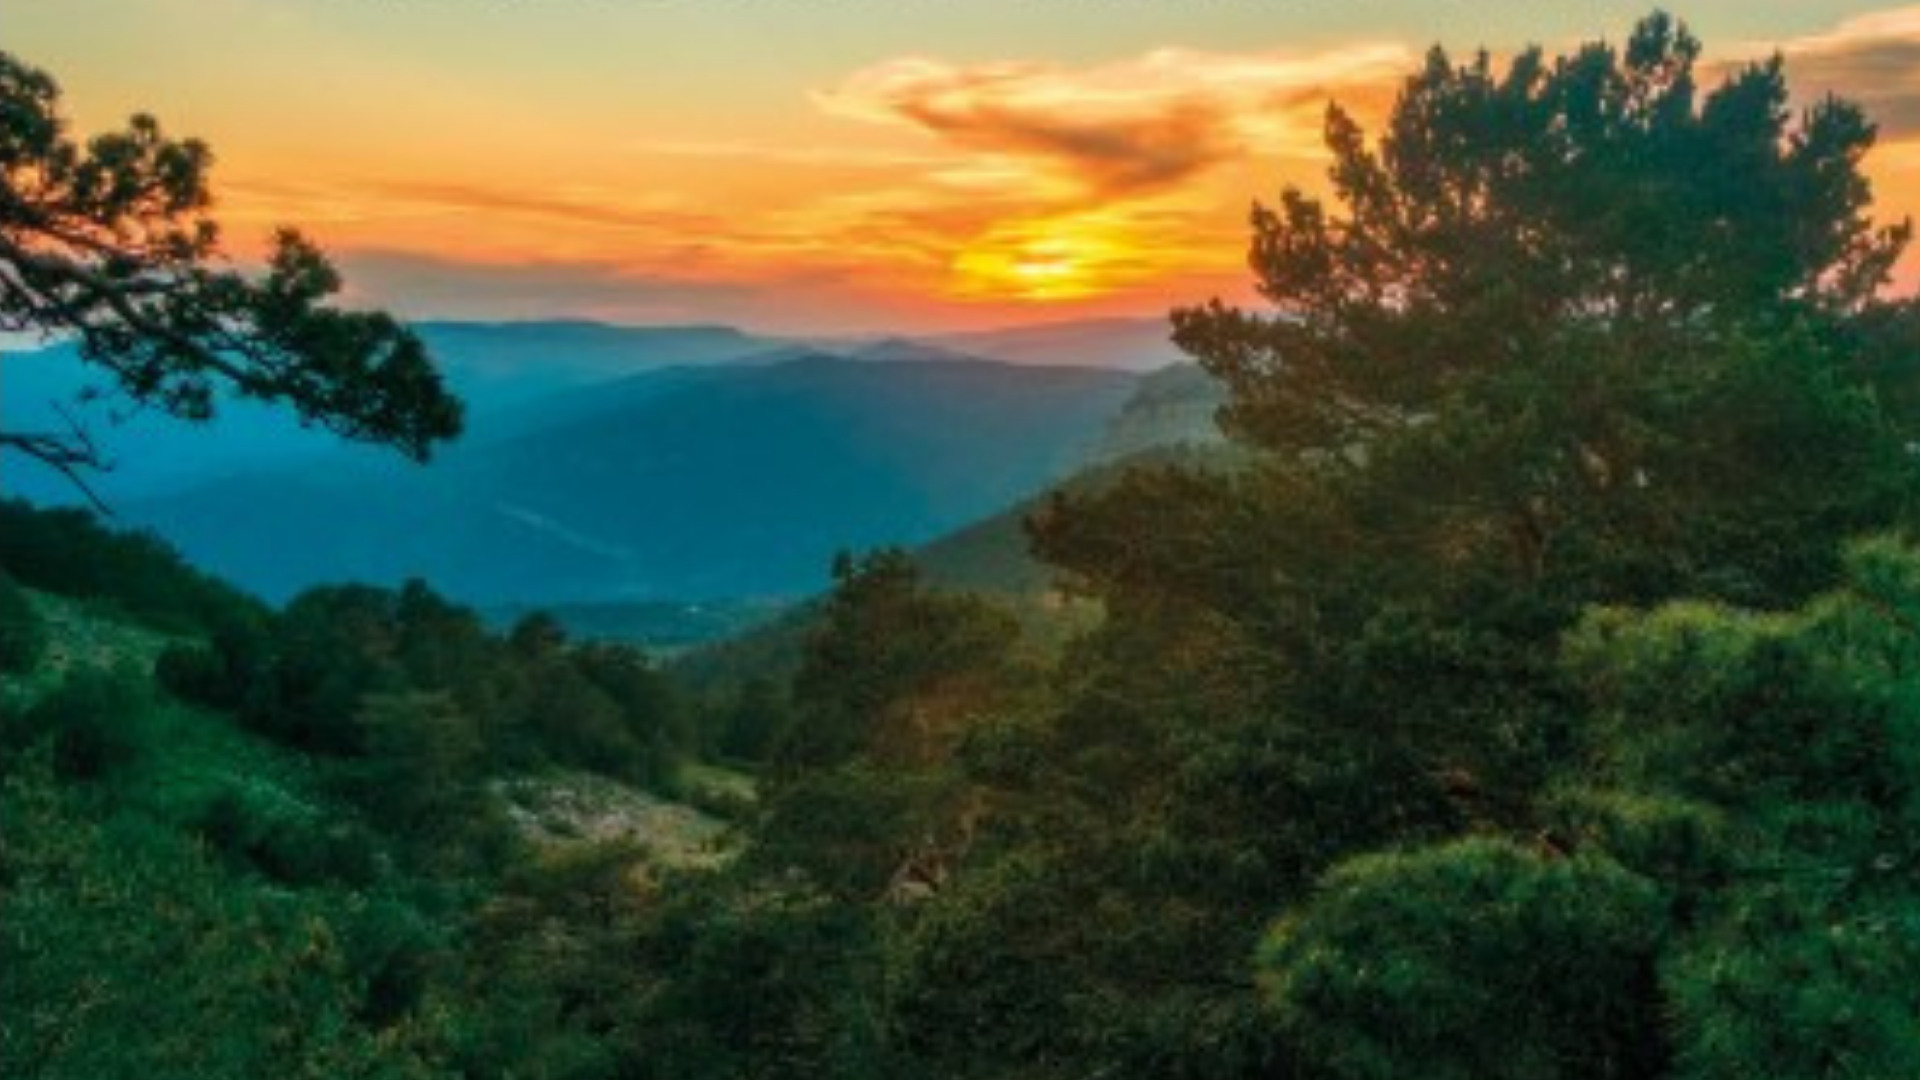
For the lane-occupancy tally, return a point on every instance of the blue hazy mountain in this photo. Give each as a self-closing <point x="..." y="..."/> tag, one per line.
<point x="496" y="368"/>
<point x="732" y="480"/>
<point x="506" y="372"/>
<point x="1135" y="344"/>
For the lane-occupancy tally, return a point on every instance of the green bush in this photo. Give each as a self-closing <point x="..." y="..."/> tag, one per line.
<point x="192" y="673"/>
<point x="22" y="636"/>
<point x="287" y="842"/>
<point x="1400" y="967"/>
<point x="70" y="553"/>
<point x="96" y="724"/>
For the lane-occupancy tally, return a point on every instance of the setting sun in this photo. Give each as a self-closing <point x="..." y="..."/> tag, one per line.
<point x="1049" y="260"/>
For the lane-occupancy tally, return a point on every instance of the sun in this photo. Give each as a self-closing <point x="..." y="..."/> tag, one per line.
<point x="1047" y="259"/>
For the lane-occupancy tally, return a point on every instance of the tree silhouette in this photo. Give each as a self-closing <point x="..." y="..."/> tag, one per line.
<point x="110" y="243"/>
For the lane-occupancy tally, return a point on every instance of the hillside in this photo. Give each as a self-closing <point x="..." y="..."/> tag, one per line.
<point x="1168" y="419"/>
<point x="197" y="884"/>
<point x="1138" y="344"/>
<point x="1177" y="405"/>
<point x="742" y="481"/>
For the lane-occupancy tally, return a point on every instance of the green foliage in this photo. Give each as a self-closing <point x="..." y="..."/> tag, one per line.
<point x="1475" y="960"/>
<point x="531" y="699"/>
<point x="553" y="971"/>
<point x="863" y="798"/>
<point x="745" y="720"/>
<point x="860" y="830"/>
<point x="219" y="674"/>
<point x="1796" y="737"/>
<point x="887" y="642"/>
<point x="1571" y="308"/>
<point x="777" y="965"/>
<point x="420" y="773"/>
<point x="962" y="1010"/>
<point x="288" y="842"/>
<point x="602" y="707"/>
<point x="350" y="871"/>
<point x="22" y="638"/>
<point x="69" y="553"/>
<point x="95" y="725"/>
<point x="762" y="983"/>
<point x="1556" y="345"/>
<point x="128" y="953"/>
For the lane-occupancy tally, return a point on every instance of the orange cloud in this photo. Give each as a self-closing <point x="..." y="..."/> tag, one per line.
<point x="1873" y="59"/>
<point x="592" y="207"/>
<point x="1122" y="128"/>
<point x="1147" y="145"/>
<point x="1074" y="182"/>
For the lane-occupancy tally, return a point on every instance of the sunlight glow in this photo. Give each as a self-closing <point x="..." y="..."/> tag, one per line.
<point x="959" y="178"/>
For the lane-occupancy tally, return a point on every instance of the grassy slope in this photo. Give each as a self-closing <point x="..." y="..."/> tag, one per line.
<point x="197" y="754"/>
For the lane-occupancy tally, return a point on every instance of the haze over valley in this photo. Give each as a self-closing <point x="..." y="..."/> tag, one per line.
<point x="628" y="465"/>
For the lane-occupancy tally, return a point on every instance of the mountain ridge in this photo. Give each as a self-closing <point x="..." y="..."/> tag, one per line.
<point x="738" y="481"/>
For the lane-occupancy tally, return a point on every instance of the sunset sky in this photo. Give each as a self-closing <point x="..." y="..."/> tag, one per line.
<point x="825" y="165"/>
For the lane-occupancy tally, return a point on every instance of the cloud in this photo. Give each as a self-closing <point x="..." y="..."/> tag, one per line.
<point x="431" y="286"/>
<point x="826" y="157"/>
<point x="1055" y="182"/>
<point x="1872" y="59"/>
<point x="577" y="205"/>
<point x="1126" y="128"/>
<point x="808" y="299"/>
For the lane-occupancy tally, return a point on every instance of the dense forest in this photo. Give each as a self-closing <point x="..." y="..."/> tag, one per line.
<point x="1531" y="691"/>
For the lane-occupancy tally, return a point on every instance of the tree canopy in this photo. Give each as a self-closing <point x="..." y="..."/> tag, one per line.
<point x="1574" y="331"/>
<point x="1575" y="299"/>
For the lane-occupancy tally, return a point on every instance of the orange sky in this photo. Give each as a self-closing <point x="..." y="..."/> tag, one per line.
<point x="847" y="165"/>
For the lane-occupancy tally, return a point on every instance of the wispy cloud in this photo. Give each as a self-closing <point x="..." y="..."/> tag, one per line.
<point x="441" y="287"/>
<point x="597" y="207"/>
<point x="1062" y="182"/>
<point x="1872" y="59"/>
<point x="835" y="157"/>
<point x="1123" y="128"/>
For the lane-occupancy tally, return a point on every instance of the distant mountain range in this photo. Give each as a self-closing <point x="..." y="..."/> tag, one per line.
<point x="631" y="465"/>
<point x="499" y="369"/>
<point x="1132" y="344"/>
<point x="495" y="368"/>
<point x="737" y="481"/>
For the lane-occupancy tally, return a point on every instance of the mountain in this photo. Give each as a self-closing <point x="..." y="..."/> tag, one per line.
<point x="498" y="369"/>
<point x="1131" y="344"/>
<point x="501" y="365"/>
<point x="1166" y="421"/>
<point x="1176" y="406"/>
<point x="740" y="480"/>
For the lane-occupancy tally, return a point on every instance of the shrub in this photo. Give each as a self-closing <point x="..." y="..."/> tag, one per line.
<point x="97" y="723"/>
<point x="22" y="636"/>
<point x="286" y="841"/>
